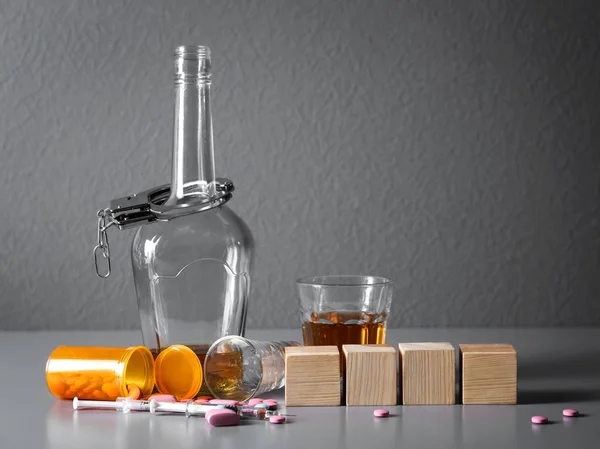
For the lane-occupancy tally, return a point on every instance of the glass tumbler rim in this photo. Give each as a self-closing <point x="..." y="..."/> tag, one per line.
<point x="345" y="280"/>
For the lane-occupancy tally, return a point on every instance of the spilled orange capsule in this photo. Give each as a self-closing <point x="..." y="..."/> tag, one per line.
<point x="134" y="391"/>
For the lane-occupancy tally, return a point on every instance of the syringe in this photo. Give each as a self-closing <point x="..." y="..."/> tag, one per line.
<point x="192" y="409"/>
<point x="188" y="408"/>
<point x="123" y="404"/>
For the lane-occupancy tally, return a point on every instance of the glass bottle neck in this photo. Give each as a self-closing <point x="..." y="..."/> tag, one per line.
<point x="193" y="154"/>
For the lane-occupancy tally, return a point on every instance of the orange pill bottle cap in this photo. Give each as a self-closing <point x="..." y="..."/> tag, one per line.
<point x="178" y="371"/>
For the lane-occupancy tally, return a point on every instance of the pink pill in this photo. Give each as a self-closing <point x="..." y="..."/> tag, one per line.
<point x="222" y="417"/>
<point x="270" y="401"/>
<point x="201" y="401"/>
<point x="570" y="412"/>
<point x="539" y="419"/>
<point x="254" y="401"/>
<point x="381" y="413"/>
<point x="276" y="419"/>
<point x="223" y="402"/>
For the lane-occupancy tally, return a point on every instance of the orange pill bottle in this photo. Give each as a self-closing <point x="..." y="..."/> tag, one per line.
<point x="99" y="373"/>
<point x="178" y="371"/>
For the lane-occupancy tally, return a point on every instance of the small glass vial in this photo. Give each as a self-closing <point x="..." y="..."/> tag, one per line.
<point x="192" y="267"/>
<point x="99" y="373"/>
<point x="240" y="369"/>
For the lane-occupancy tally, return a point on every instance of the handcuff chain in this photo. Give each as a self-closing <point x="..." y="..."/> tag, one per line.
<point x="105" y="221"/>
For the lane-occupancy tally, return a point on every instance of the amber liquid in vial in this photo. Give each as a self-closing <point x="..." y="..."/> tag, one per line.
<point x="342" y="328"/>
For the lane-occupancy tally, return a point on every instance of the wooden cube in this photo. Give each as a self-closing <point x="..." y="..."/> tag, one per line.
<point x="427" y="373"/>
<point x="488" y="374"/>
<point x="312" y="376"/>
<point x="370" y="374"/>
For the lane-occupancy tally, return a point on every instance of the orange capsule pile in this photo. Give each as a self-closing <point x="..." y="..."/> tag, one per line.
<point x="83" y="386"/>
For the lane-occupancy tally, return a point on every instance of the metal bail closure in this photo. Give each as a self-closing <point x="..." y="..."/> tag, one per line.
<point x="102" y="247"/>
<point x="148" y="206"/>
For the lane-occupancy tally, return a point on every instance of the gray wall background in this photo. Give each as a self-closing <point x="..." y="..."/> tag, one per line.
<point x="449" y="145"/>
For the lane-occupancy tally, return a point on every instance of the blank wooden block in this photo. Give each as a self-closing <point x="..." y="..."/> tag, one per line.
<point x="312" y="376"/>
<point x="427" y="373"/>
<point x="370" y="374"/>
<point x="489" y="374"/>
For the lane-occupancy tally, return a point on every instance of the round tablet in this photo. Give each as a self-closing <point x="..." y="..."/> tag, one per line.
<point x="539" y="419"/>
<point x="570" y="412"/>
<point x="381" y="413"/>
<point x="277" y="419"/>
<point x="221" y="417"/>
<point x="270" y="401"/>
<point x="254" y="401"/>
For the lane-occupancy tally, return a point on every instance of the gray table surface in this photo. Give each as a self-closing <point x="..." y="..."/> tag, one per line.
<point x="558" y="368"/>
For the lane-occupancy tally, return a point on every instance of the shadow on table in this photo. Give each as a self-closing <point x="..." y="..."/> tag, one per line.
<point x="561" y="370"/>
<point x="562" y="366"/>
<point x="556" y="396"/>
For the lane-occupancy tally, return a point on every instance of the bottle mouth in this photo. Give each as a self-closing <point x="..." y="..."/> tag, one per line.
<point x="178" y="372"/>
<point x="197" y="52"/>
<point x="138" y="369"/>
<point x="192" y="65"/>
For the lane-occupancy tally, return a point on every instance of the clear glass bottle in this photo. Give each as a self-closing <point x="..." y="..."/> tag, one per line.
<point x="192" y="271"/>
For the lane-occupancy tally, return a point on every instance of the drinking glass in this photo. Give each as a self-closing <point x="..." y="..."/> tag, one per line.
<point x="338" y="310"/>
<point x="240" y="369"/>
